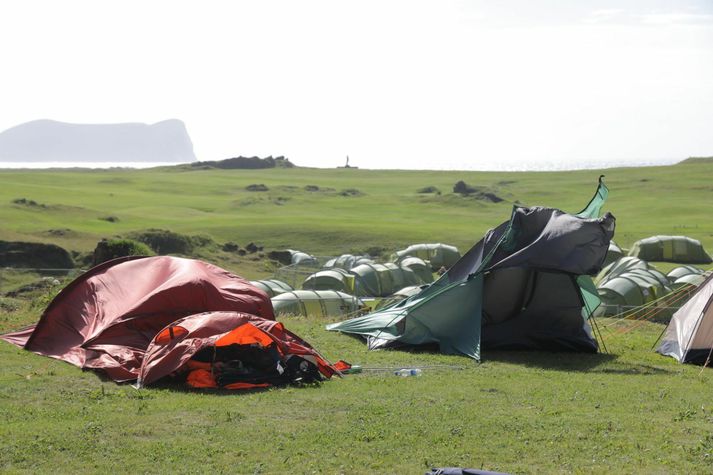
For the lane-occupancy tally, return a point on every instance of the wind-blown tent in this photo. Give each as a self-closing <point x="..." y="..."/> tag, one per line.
<point x="525" y="285"/>
<point x="231" y="350"/>
<point x="682" y="249"/>
<point x="689" y="335"/>
<point x="107" y="318"/>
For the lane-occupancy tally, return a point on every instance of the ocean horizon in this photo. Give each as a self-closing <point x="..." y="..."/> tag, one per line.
<point x="452" y="166"/>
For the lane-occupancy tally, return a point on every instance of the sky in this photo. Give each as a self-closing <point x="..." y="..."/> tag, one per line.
<point x="476" y="85"/>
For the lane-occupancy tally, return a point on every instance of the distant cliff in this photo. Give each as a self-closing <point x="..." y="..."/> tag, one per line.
<point x="49" y="140"/>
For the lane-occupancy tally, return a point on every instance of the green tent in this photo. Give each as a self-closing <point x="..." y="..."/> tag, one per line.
<point x="613" y="253"/>
<point x="628" y="283"/>
<point x="320" y="303"/>
<point x="525" y="285"/>
<point x="682" y="249"/>
<point x="272" y="287"/>
<point x="370" y="280"/>
<point x="347" y="261"/>
<point x="330" y="279"/>
<point x="681" y="271"/>
<point x="629" y="290"/>
<point x="421" y="268"/>
<point x="618" y="267"/>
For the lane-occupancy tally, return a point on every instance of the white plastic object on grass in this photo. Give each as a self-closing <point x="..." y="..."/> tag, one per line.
<point x="406" y="372"/>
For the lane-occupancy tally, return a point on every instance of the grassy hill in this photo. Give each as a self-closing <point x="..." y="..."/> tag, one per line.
<point x="328" y="212"/>
<point x="629" y="410"/>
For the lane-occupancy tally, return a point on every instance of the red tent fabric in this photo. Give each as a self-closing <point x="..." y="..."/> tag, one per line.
<point x="106" y="318"/>
<point x="167" y="353"/>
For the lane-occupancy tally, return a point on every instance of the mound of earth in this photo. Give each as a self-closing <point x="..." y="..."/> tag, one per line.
<point x="477" y="192"/>
<point x="163" y="241"/>
<point x="257" y="187"/>
<point x="34" y="255"/>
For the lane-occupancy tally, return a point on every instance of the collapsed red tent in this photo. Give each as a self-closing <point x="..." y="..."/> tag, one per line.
<point x="110" y="319"/>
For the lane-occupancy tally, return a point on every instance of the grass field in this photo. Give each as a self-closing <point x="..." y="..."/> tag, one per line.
<point x="626" y="411"/>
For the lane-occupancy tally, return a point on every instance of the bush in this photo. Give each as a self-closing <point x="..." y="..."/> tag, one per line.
<point x="162" y="241"/>
<point x="230" y="247"/>
<point x="113" y="248"/>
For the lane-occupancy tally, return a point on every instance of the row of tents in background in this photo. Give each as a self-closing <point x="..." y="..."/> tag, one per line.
<point x="347" y="284"/>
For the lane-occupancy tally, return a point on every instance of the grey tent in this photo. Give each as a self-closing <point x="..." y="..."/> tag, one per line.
<point x="682" y="249"/>
<point x="320" y="303"/>
<point x="525" y="285"/>
<point x="689" y="335"/>
<point x="439" y="255"/>
<point x="402" y="294"/>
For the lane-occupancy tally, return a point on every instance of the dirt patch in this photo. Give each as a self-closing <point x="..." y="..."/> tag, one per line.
<point x="110" y="219"/>
<point x="351" y="192"/>
<point x="61" y="232"/>
<point x="28" y="203"/>
<point x="311" y="188"/>
<point x="429" y="189"/>
<point x="257" y="187"/>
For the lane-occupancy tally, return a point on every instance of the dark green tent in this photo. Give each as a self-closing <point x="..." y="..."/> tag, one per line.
<point x="681" y="249"/>
<point x="525" y="285"/>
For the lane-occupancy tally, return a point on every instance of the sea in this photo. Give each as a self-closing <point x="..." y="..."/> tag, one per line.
<point x="464" y="165"/>
<point x="94" y="165"/>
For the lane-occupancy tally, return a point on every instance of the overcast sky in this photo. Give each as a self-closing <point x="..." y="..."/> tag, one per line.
<point x="392" y="84"/>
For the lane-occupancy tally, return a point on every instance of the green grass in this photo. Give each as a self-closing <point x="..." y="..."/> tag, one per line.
<point x="630" y="411"/>
<point x="391" y="214"/>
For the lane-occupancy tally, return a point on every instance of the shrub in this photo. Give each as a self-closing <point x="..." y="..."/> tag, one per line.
<point x="34" y="255"/>
<point x="162" y="241"/>
<point x="113" y="248"/>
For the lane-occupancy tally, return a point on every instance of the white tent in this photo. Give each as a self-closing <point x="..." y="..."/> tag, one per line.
<point x="689" y="335"/>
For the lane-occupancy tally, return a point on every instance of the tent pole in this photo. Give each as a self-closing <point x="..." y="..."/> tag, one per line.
<point x="597" y="330"/>
<point x="660" y="335"/>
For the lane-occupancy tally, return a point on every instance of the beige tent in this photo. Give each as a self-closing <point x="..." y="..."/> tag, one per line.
<point x="689" y="335"/>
